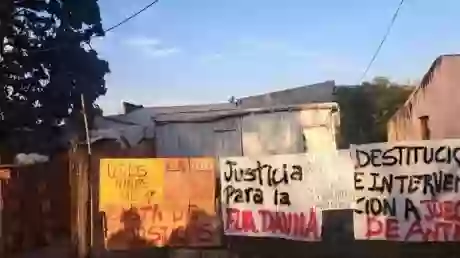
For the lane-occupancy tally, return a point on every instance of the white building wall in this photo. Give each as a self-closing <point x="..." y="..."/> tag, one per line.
<point x="311" y="130"/>
<point x="199" y="139"/>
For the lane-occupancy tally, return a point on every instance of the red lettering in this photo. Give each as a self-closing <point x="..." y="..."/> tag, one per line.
<point x="392" y="229"/>
<point x="374" y="227"/>
<point x="299" y="223"/>
<point x="415" y="230"/>
<point x="154" y="209"/>
<point x="284" y="222"/>
<point x="248" y="222"/>
<point x="233" y="219"/>
<point x="447" y="210"/>
<point x="445" y="228"/>
<point x="312" y="227"/>
<point x="290" y="223"/>
<point x="265" y="216"/>
<point x="442" y="210"/>
<point x="157" y="234"/>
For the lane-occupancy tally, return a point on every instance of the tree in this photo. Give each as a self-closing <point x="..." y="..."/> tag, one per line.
<point x="366" y="109"/>
<point x="46" y="63"/>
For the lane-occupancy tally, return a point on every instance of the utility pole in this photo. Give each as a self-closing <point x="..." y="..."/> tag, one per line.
<point x="89" y="171"/>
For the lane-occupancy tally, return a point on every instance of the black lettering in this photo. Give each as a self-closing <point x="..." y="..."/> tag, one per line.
<point x="449" y="155"/>
<point x="408" y="154"/>
<point x="389" y="208"/>
<point x="448" y="185"/>
<point x="270" y="176"/>
<point x="258" y="196"/>
<point x="248" y="194"/>
<point x="358" y="201"/>
<point x="362" y="163"/>
<point x="376" y="206"/>
<point x="249" y="174"/>
<point x="231" y="170"/>
<point x="410" y="208"/>
<point x="284" y="198"/>
<point x="417" y="150"/>
<point x="283" y="179"/>
<point x="388" y="159"/>
<point x="428" y="155"/>
<point x="374" y="187"/>
<point x="437" y="178"/>
<point x="358" y="180"/>
<point x="401" y="179"/>
<point x="260" y="169"/>
<point x="375" y="154"/>
<point x="428" y="185"/>
<point x="455" y="151"/>
<point x="275" y="197"/>
<point x="387" y="183"/>
<point x="400" y="152"/>
<point x="231" y="193"/>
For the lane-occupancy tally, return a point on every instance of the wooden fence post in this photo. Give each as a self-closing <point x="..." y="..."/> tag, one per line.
<point x="4" y="175"/>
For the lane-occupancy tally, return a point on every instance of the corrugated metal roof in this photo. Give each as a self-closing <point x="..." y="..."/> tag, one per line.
<point x="315" y="93"/>
<point x="209" y="116"/>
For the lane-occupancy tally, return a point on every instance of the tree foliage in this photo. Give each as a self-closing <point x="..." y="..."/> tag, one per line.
<point x="46" y="63"/>
<point x="366" y="109"/>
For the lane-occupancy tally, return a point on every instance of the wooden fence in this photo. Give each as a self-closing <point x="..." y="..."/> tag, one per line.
<point x="36" y="206"/>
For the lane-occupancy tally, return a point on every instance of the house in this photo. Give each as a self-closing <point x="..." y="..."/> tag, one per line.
<point x="430" y="111"/>
<point x="248" y="131"/>
<point x="288" y="121"/>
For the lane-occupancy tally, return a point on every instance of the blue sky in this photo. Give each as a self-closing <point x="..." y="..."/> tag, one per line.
<point x="201" y="51"/>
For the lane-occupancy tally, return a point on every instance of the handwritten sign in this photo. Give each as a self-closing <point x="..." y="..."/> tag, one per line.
<point x="408" y="191"/>
<point x="166" y="210"/>
<point x="131" y="181"/>
<point x="282" y="195"/>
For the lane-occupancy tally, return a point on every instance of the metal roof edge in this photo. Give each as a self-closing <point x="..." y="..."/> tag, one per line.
<point x="210" y="117"/>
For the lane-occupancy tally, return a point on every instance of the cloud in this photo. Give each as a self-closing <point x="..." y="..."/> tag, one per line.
<point x="162" y="52"/>
<point x="152" y="47"/>
<point x="143" y="42"/>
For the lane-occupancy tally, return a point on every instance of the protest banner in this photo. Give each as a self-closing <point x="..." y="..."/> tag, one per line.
<point x="282" y="196"/>
<point x="162" y="211"/>
<point x="130" y="181"/>
<point x="407" y="191"/>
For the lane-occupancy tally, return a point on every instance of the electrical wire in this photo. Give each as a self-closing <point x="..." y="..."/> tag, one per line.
<point x="385" y="36"/>
<point x="131" y="16"/>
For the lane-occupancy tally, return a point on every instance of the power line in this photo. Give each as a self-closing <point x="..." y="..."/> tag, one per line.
<point x="132" y="16"/>
<point x="385" y="36"/>
<point x="111" y="28"/>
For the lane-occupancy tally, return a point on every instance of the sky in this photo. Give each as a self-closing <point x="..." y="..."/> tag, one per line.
<point x="204" y="51"/>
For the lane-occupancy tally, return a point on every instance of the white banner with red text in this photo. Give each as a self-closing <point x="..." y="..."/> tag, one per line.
<point x="282" y="196"/>
<point x="407" y="191"/>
